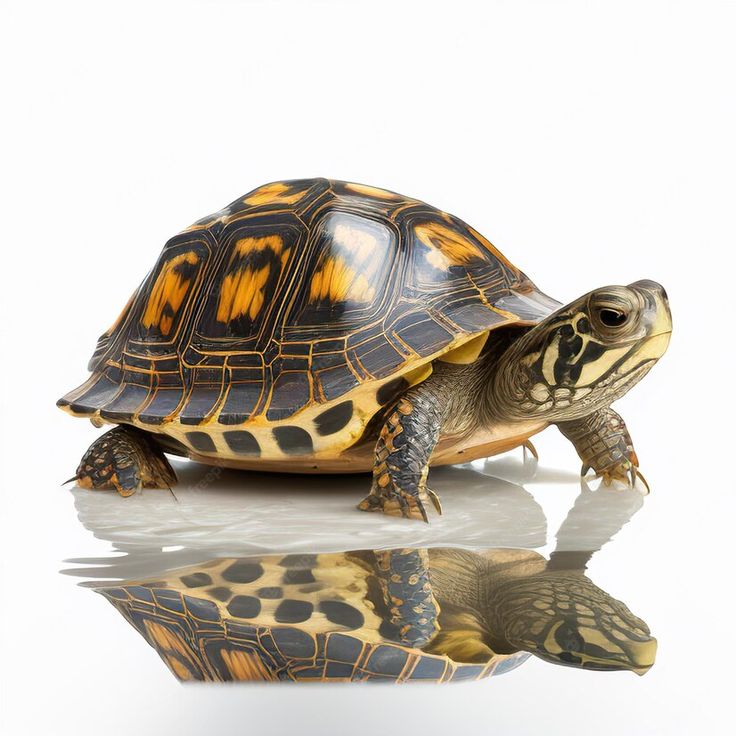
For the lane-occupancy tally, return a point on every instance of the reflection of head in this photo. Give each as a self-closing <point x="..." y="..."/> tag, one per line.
<point x="562" y="617"/>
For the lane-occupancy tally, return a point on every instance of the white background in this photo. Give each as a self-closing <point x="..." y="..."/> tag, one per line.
<point x="593" y="142"/>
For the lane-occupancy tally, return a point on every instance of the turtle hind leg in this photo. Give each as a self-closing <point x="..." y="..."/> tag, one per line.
<point x="125" y="459"/>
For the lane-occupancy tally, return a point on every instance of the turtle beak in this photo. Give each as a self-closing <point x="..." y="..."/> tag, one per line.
<point x="657" y="306"/>
<point x="637" y="657"/>
<point x="642" y="654"/>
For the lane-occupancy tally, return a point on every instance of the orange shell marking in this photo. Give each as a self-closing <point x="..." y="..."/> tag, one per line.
<point x="242" y="289"/>
<point x="446" y="247"/>
<point x="245" y="667"/>
<point x="169" y="290"/>
<point x="350" y="268"/>
<point x="242" y="293"/>
<point x="171" y="646"/>
<point x="276" y="193"/>
<point x="372" y="191"/>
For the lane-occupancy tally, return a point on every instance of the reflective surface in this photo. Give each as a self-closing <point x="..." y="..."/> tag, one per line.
<point x="307" y="608"/>
<point x="71" y="644"/>
<point x="596" y="146"/>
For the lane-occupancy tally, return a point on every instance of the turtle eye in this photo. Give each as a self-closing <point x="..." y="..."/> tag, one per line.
<point x="614" y="311"/>
<point x="569" y="639"/>
<point x="612" y="317"/>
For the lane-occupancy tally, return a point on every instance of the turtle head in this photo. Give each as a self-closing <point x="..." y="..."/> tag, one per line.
<point x="586" y="355"/>
<point x="564" y="618"/>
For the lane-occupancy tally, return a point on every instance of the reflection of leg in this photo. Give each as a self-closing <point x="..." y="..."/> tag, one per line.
<point x="529" y="447"/>
<point x="604" y="444"/>
<point x="125" y="459"/>
<point x="407" y="592"/>
<point x="594" y="519"/>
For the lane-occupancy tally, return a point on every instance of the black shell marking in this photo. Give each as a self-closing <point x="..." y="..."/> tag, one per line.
<point x="334" y="419"/>
<point x="292" y="296"/>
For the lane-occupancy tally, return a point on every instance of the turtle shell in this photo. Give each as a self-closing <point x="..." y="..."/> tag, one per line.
<point x="280" y="325"/>
<point x="298" y="617"/>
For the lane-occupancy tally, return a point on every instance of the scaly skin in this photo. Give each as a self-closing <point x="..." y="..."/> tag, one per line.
<point x="125" y="459"/>
<point x="407" y="592"/>
<point x="403" y="450"/>
<point x="445" y="404"/>
<point x="567" y="370"/>
<point x="603" y="444"/>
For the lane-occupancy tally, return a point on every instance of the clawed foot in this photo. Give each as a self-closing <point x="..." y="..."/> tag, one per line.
<point x="626" y="472"/>
<point x="529" y="447"/>
<point x="126" y="460"/>
<point x="400" y="503"/>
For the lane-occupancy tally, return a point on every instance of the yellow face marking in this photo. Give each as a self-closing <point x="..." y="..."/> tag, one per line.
<point x="596" y="637"/>
<point x="550" y="358"/>
<point x="242" y="290"/>
<point x="446" y="247"/>
<point x="550" y="643"/>
<point x="276" y="193"/>
<point x="651" y="348"/>
<point x="595" y="369"/>
<point x="350" y="267"/>
<point x="169" y="290"/>
<point x="371" y="191"/>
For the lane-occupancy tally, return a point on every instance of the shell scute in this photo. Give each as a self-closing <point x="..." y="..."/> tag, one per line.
<point x="296" y="297"/>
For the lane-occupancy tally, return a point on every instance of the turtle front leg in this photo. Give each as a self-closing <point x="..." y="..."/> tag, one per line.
<point x="126" y="459"/>
<point x="604" y="444"/>
<point x="401" y="463"/>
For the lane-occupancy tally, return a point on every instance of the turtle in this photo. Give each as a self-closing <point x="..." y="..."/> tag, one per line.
<point x="322" y="326"/>
<point x="409" y="614"/>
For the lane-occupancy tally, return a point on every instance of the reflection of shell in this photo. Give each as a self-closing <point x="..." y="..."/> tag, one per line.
<point x="243" y="665"/>
<point x="293" y="617"/>
<point x="221" y="513"/>
<point x="216" y="649"/>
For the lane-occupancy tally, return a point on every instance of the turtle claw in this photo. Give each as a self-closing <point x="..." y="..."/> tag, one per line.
<point x="627" y="473"/>
<point x="528" y="446"/>
<point x="635" y="473"/>
<point x="435" y="499"/>
<point x="397" y="503"/>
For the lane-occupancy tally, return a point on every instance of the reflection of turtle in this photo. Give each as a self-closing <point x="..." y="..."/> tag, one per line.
<point x="443" y="614"/>
<point x="314" y="320"/>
